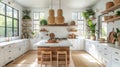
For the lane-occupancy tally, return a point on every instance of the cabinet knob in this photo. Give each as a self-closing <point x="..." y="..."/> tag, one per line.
<point x="116" y="53"/>
<point x="105" y="48"/>
<point x="116" y="59"/>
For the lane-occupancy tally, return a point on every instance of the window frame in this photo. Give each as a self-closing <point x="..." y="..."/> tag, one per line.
<point x="77" y="19"/>
<point x="13" y="18"/>
<point x="35" y="20"/>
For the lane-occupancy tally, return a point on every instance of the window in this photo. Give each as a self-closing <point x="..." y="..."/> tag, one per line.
<point x="9" y="21"/>
<point x="78" y="17"/>
<point x="37" y="17"/>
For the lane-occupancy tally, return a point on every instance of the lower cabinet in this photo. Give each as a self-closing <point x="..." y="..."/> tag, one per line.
<point x="109" y="56"/>
<point x="77" y="44"/>
<point x="13" y="50"/>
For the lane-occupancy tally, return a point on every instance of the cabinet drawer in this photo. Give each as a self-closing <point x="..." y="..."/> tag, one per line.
<point x="116" y="52"/>
<point x="116" y="59"/>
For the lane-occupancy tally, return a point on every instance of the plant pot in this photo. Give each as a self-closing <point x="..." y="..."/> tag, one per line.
<point x="117" y="44"/>
<point x="93" y="37"/>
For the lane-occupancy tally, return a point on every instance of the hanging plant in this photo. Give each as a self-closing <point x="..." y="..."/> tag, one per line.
<point x="26" y="14"/>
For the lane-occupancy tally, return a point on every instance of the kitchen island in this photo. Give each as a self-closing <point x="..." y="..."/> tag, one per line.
<point x="63" y="45"/>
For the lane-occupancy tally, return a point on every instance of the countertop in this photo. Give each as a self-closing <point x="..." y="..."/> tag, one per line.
<point x="10" y="42"/>
<point x="61" y="43"/>
<point x="105" y="44"/>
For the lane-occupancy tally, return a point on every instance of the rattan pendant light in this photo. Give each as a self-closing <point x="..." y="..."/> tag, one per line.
<point x="51" y="17"/>
<point x="59" y="19"/>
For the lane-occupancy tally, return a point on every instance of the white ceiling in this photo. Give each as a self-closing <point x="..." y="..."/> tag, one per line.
<point x="47" y="3"/>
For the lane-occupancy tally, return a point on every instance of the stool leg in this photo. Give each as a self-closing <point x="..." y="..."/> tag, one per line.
<point x="51" y="59"/>
<point x="57" y="60"/>
<point x="66" y="61"/>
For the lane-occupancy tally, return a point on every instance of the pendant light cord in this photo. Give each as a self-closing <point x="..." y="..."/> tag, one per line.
<point x="59" y="4"/>
<point x="51" y="4"/>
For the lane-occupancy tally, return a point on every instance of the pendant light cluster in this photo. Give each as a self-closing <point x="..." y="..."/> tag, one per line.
<point x="59" y="19"/>
<point x="51" y="17"/>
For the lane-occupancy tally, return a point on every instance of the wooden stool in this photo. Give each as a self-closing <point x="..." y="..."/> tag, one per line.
<point x="63" y="56"/>
<point x="46" y="57"/>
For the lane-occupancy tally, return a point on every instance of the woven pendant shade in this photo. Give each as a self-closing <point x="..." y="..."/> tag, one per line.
<point x="51" y="17"/>
<point x="59" y="19"/>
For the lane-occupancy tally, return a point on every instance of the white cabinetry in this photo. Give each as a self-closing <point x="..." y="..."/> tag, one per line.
<point x="77" y="44"/>
<point x="1" y="56"/>
<point x="11" y="50"/>
<point x="105" y="53"/>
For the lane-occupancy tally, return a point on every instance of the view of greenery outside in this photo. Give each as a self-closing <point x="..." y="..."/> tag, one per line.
<point x="77" y="16"/>
<point x="36" y="19"/>
<point x="104" y="30"/>
<point x="9" y="21"/>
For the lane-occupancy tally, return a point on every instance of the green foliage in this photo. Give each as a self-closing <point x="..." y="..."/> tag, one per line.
<point x="88" y="13"/>
<point x="91" y="26"/>
<point x="116" y="34"/>
<point x="26" y="14"/>
<point x="118" y="13"/>
<point x="43" y="22"/>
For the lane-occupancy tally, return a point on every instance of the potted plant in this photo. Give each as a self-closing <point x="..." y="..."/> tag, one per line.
<point x="92" y="29"/>
<point x="88" y="14"/>
<point x="43" y="22"/>
<point x="26" y="15"/>
<point x="116" y="36"/>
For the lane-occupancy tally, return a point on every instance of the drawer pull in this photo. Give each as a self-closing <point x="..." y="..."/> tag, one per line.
<point x="105" y="54"/>
<point x="9" y="57"/>
<point x="116" y="59"/>
<point x="105" y="48"/>
<point x="2" y="47"/>
<point x="116" y="53"/>
<point x="9" y="51"/>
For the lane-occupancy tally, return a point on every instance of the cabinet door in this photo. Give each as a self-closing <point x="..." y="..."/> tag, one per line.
<point x="1" y="56"/>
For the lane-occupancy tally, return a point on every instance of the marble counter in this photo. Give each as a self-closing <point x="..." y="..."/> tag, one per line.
<point x="10" y="42"/>
<point x="61" y="43"/>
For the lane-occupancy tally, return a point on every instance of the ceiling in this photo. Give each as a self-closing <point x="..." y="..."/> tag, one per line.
<point x="47" y="3"/>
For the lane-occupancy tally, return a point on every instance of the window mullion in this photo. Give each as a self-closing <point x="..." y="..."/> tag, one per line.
<point x="5" y="20"/>
<point x="12" y="21"/>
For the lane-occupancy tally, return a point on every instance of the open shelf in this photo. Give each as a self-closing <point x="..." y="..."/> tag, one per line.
<point x="111" y="9"/>
<point x="113" y="19"/>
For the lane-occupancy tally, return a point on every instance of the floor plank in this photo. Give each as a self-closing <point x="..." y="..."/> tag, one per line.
<point x="83" y="59"/>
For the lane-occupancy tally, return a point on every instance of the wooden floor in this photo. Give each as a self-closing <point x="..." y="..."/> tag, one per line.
<point x="83" y="59"/>
<point x="79" y="59"/>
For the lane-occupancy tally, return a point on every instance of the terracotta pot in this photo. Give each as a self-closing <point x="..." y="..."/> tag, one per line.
<point x="116" y="2"/>
<point x="109" y="5"/>
<point x="93" y="37"/>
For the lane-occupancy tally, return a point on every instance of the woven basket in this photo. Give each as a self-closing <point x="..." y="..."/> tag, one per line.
<point x="59" y="20"/>
<point x="60" y="12"/>
<point x="51" y="20"/>
<point x="109" y="5"/>
<point x="51" y="12"/>
<point x="116" y="2"/>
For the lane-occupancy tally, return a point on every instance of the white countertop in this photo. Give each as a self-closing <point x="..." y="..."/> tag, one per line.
<point x="10" y="42"/>
<point x="44" y="43"/>
<point x="105" y="44"/>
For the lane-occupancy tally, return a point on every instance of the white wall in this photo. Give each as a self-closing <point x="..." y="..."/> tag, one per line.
<point x="18" y="7"/>
<point x="101" y="6"/>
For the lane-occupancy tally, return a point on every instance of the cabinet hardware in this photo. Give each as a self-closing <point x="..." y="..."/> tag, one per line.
<point x="116" y="53"/>
<point x="105" y="48"/>
<point x="9" y="51"/>
<point x="116" y="59"/>
<point x="105" y="54"/>
<point x="2" y="47"/>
